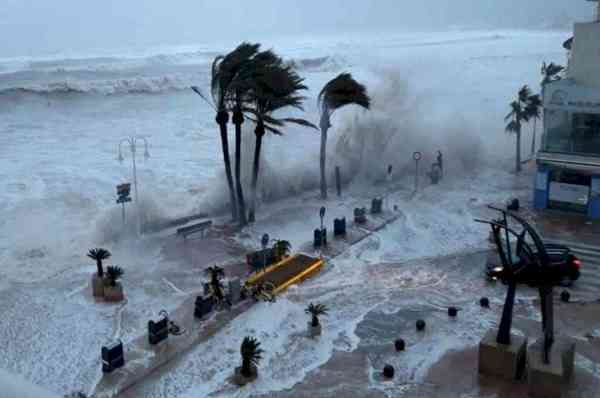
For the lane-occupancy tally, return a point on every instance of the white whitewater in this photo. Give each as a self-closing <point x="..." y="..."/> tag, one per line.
<point x="13" y="386"/>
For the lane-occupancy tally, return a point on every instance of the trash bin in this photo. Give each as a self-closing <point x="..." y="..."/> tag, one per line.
<point x="376" y="206"/>
<point x="112" y="356"/>
<point x="158" y="331"/>
<point x="339" y="227"/>
<point x="320" y="238"/>
<point x="203" y="306"/>
<point x="360" y="215"/>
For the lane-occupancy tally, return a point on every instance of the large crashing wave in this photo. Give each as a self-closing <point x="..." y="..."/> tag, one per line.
<point x="154" y="74"/>
<point x="138" y="85"/>
<point x="319" y="64"/>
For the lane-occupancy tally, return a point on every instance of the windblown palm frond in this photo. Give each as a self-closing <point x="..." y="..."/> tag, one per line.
<point x="513" y="127"/>
<point x="516" y="112"/>
<point x="274" y="85"/>
<point x="226" y="69"/>
<point x="341" y="91"/>
<point x="551" y="72"/>
<point x="533" y="108"/>
<point x="524" y="94"/>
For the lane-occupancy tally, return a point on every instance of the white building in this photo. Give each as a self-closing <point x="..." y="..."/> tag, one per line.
<point x="568" y="162"/>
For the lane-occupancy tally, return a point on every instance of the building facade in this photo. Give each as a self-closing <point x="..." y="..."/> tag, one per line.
<point x="568" y="162"/>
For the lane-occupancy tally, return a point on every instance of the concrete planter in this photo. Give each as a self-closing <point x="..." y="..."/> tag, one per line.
<point x="503" y="361"/>
<point x="97" y="286"/>
<point x="114" y="293"/>
<point x="549" y="380"/>
<point x="314" y="331"/>
<point x="241" y="380"/>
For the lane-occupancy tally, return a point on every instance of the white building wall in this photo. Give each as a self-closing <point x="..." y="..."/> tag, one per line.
<point x="584" y="66"/>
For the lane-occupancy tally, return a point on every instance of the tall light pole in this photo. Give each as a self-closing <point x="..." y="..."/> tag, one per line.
<point x="132" y="142"/>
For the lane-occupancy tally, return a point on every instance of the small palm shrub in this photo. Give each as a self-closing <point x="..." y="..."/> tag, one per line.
<point x="251" y="355"/>
<point x="114" y="273"/>
<point x="316" y="310"/>
<point x="98" y="255"/>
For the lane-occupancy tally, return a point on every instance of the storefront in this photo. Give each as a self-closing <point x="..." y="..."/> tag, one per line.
<point x="568" y="164"/>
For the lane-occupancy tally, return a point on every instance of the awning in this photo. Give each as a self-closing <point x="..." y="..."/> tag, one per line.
<point x="585" y="164"/>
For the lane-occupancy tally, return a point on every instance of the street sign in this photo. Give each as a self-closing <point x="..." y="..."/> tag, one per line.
<point x="124" y="189"/>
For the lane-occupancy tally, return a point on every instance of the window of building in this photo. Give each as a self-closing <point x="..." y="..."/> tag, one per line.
<point x="557" y="137"/>
<point x="577" y="133"/>
<point x="570" y="177"/>
<point x="586" y="133"/>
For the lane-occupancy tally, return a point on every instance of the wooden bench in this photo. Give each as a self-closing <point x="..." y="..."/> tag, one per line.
<point x="192" y="229"/>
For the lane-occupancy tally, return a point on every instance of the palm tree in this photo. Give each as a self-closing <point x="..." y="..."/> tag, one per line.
<point x="274" y="86"/>
<point x="238" y="120"/>
<point x="534" y="111"/>
<point x="114" y="273"/>
<point x="315" y="311"/>
<point x="239" y="97"/>
<point x="551" y="72"/>
<point x="251" y="356"/>
<point x="517" y="116"/>
<point x="225" y="69"/>
<point x="99" y="255"/>
<point x="339" y="92"/>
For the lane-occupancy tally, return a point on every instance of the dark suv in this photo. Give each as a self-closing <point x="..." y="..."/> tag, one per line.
<point x="563" y="263"/>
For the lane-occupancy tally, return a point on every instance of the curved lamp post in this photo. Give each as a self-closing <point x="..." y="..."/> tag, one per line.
<point x="133" y="142"/>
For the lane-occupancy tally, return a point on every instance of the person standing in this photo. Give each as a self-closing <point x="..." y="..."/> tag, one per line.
<point x="440" y="162"/>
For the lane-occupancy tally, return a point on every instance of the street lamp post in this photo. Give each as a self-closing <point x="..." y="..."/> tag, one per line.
<point x="132" y="142"/>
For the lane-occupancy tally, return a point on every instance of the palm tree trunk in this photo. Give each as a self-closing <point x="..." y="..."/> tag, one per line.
<point x="238" y="119"/>
<point x="260" y="132"/>
<point x="323" y="156"/>
<point x="246" y="367"/>
<point x="518" y="168"/>
<point x="222" y="119"/>
<point x="533" y="139"/>
<point x="99" y="266"/>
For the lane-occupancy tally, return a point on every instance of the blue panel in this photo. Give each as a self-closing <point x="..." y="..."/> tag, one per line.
<point x="540" y="193"/>
<point x="594" y="205"/>
<point x="540" y="199"/>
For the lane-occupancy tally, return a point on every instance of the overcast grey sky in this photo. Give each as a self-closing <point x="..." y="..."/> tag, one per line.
<point x="36" y="27"/>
